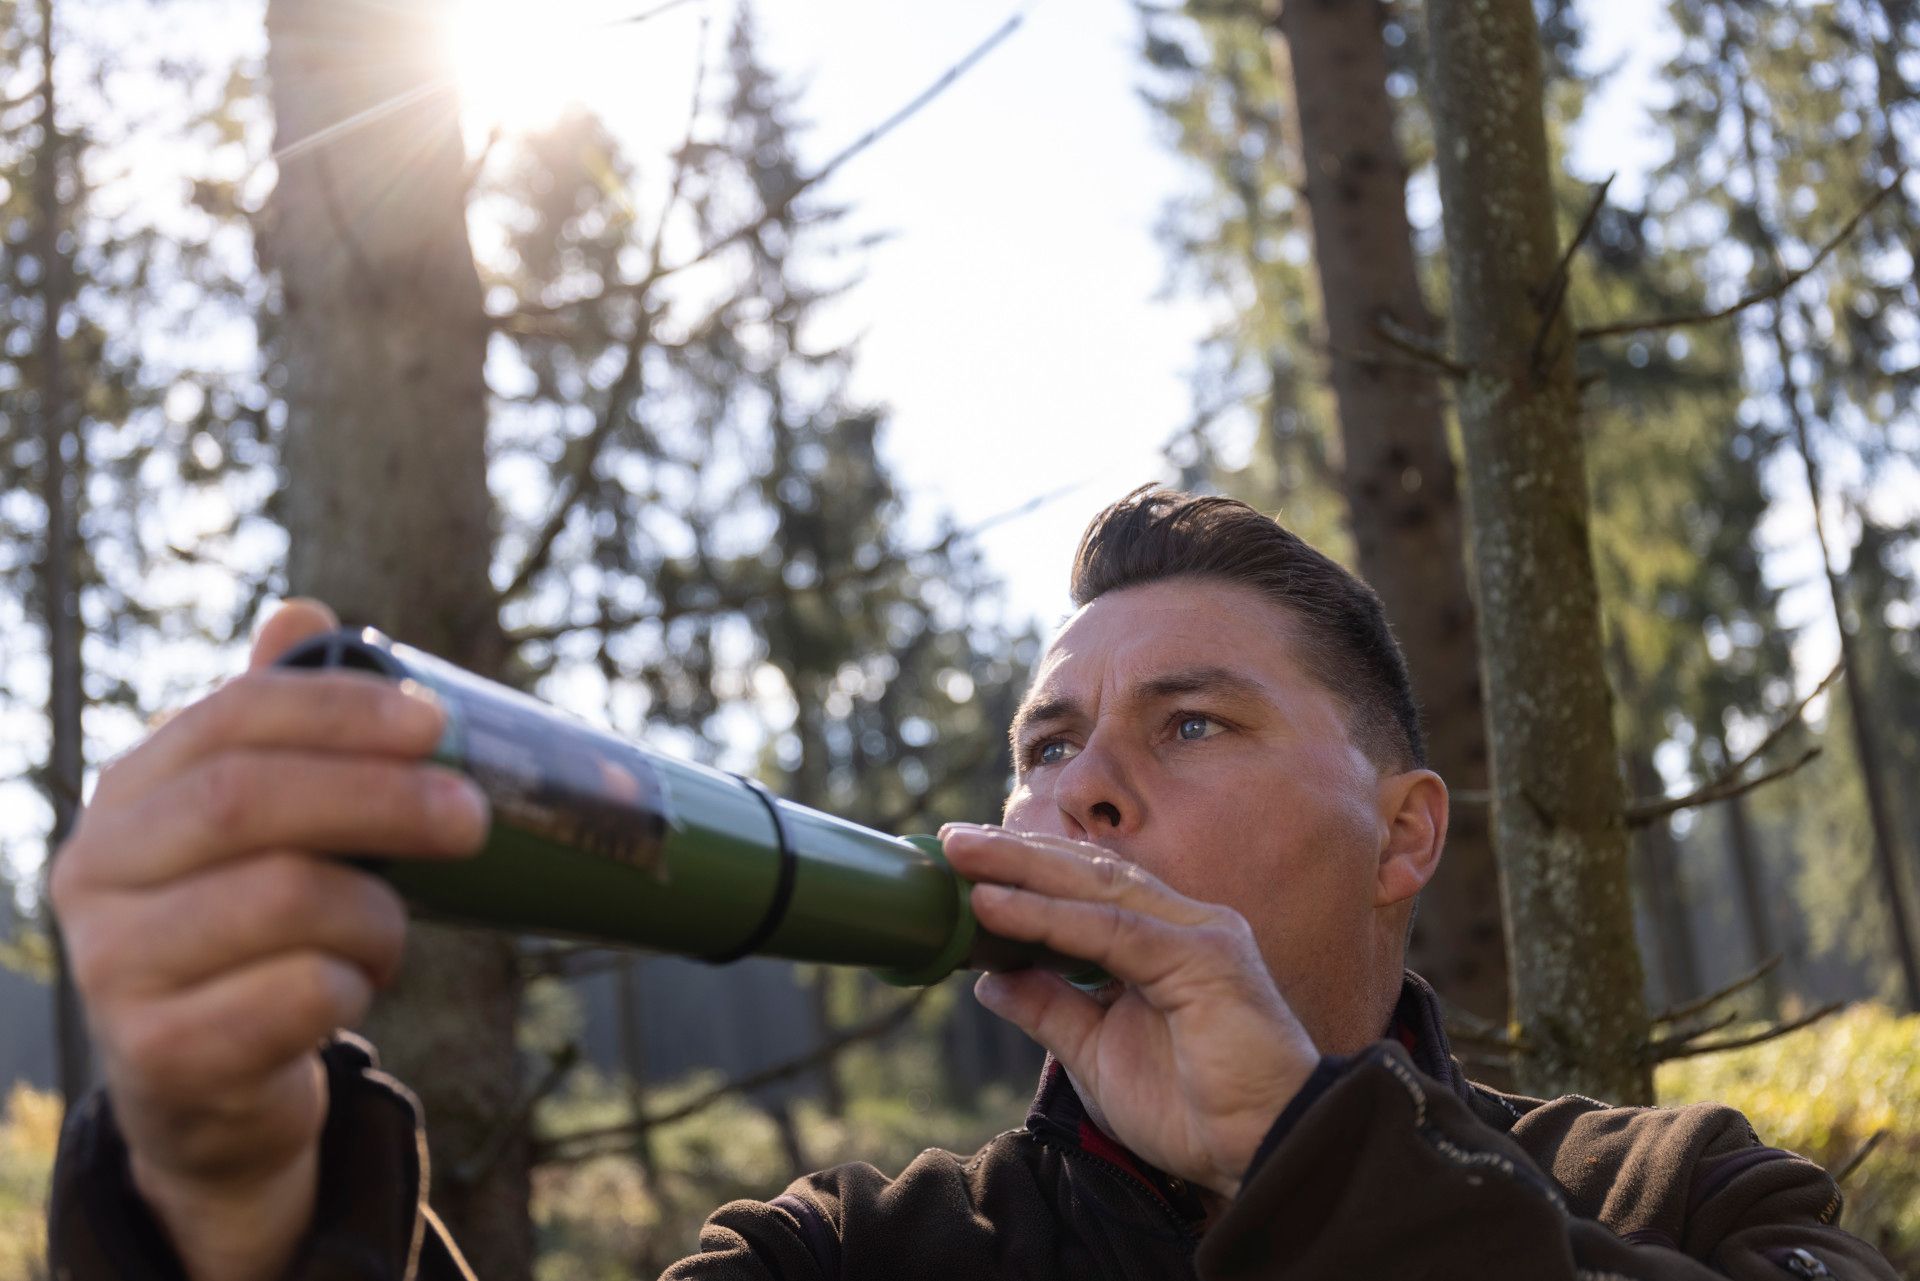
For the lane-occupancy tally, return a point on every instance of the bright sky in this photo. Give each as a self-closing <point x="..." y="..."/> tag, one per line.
<point x="1014" y="322"/>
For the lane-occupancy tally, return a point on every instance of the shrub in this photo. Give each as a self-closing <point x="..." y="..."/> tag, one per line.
<point x="29" y="1133"/>
<point x="1824" y="1092"/>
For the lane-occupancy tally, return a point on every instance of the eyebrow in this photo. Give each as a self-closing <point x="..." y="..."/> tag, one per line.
<point x="1207" y="679"/>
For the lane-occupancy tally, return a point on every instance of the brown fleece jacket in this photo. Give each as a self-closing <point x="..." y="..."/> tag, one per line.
<point x="1388" y="1164"/>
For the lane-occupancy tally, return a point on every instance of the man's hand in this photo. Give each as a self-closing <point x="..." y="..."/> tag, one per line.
<point x="216" y="945"/>
<point x="1195" y="1058"/>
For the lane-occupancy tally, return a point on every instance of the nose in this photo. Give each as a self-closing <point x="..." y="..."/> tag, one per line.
<point x="1095" y="794"/>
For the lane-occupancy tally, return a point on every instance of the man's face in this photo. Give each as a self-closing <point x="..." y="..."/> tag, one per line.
<point x="1172" y="724"/>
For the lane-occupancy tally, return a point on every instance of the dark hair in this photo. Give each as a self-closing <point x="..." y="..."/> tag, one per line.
<point x="1344" y="642"/>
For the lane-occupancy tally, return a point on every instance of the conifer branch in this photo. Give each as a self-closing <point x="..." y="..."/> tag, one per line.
<point x="1779" y="287"/>
<point x="583" y="1145"/>
<point x="1699" y="1004"/>
<point x="1668" y="1049"/>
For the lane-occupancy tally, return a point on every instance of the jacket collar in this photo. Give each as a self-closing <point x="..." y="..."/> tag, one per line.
<point x="1058" y="1116"/>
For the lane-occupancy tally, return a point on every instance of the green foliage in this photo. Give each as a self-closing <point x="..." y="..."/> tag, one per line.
<point x="29" y="1134"/>
<point x="1823" y="1092"/>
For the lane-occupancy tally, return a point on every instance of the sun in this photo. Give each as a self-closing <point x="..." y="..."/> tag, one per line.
<point x="518" y="66"/>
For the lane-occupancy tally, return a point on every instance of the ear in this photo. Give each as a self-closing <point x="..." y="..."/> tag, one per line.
<point x="1413" y="828"/>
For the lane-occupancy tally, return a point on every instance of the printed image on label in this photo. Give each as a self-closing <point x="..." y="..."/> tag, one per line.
<point x="562" y="781"/>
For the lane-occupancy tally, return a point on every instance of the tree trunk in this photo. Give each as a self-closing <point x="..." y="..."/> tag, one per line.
<point x="1403" y="502"/>
<point x="1559" y="809"/>
<point x="1753" y="897"/>
<point x="63" y="448"/>
<point x="1866" y="745"/>
<point x="380" y="342"/>
<point x="1657" y="870"/>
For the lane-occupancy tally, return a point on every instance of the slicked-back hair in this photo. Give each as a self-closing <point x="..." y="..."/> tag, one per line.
<point x="1341" y="639"/>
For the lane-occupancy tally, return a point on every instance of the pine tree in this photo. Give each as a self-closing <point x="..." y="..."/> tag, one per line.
<point x="1386" y="451"/>
<point x="1559" y="808"/>
<point x="379" y="338"/>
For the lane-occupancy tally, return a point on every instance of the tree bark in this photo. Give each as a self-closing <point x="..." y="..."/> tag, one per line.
<point x="1403" y="501"/>
<point x="63" y="447"/>
<point x="380" y="341"/>
<point x="1559" y="808"/>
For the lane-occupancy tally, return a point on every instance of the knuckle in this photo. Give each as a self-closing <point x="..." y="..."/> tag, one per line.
<point x="216" y="717"/>
<point x="223" y="792"/>
<point x="150" y="1043"/>
<point x="92" y="957"/>
<point x="287" y="889"/>
<point x="323" y="992"/>
<point x="62" y="881"/>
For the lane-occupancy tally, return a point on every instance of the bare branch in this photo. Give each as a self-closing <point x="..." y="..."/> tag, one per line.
<point x="1787" y="722"/>
<point x="1503" y="1044"/>
<point x="1422" y="348"/>
<point x="778" y="208"/>
<point x="1722" y="789"/>
<point x="1728" y="783"/>
<point x="1423" y="364"/>
<point x="1852" y="1163"/>
<point x="469" y="1172"/>
<point x="1656" y="1049"/>
<point x="1554" y="294"/>
<point x="1701" y="1004"/>
<point x="585" y="1144"/>
<point x="1741" y="1042"/>
<point x="619" y="397"/>
<point x="1653" y="323"/>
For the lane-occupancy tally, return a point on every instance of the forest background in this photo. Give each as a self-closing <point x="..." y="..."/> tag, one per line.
<point x="723" y="458"/>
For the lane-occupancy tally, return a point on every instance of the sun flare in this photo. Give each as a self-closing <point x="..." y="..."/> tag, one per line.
<point x="517" y="67"/>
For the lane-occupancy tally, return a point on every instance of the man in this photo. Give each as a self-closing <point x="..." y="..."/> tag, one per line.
<point x="1220" y="796"/>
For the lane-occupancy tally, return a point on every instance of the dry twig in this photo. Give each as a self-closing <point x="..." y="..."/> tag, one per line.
<point x="1419" y="346"/>
<point x="1724" y="788"/>
<point x="1700" y="1004"/>
<point x="779" y="207"/>
<point x="1554" y="294"/>
<point x="1669" y="1050"/>
<point x="1728" y="783"/>
<point x="585" y="1144"/>
<point x="1654" y="323"/>
<point x="1852" y="1163"/>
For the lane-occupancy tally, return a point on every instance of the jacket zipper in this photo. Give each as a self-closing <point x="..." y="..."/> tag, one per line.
<point x="1128" y="1177"/>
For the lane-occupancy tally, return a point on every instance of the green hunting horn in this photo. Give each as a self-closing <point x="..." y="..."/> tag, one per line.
<point x="600" y="839"/>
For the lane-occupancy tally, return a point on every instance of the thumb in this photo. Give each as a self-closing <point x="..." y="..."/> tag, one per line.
<point x="294" y="621"/>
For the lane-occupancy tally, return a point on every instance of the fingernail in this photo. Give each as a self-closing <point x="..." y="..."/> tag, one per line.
<point x="418" y="707"/>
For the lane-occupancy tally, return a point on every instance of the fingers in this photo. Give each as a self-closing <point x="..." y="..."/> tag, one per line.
<point x="335" y="711"/>
<point x="1057" y="1015"/>
<point x="293" y="622"/>
<point x="238" y="1028"/>
<point x="1060" y="868"/>
<point x="237" y="803"/>
<point x="152" y="944"/>
<point x="1129" y="945"/>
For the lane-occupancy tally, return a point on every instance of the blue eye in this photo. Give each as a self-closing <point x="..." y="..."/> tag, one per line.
<point x="1194" y="727"/>
<point x="1053" y="752"/>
